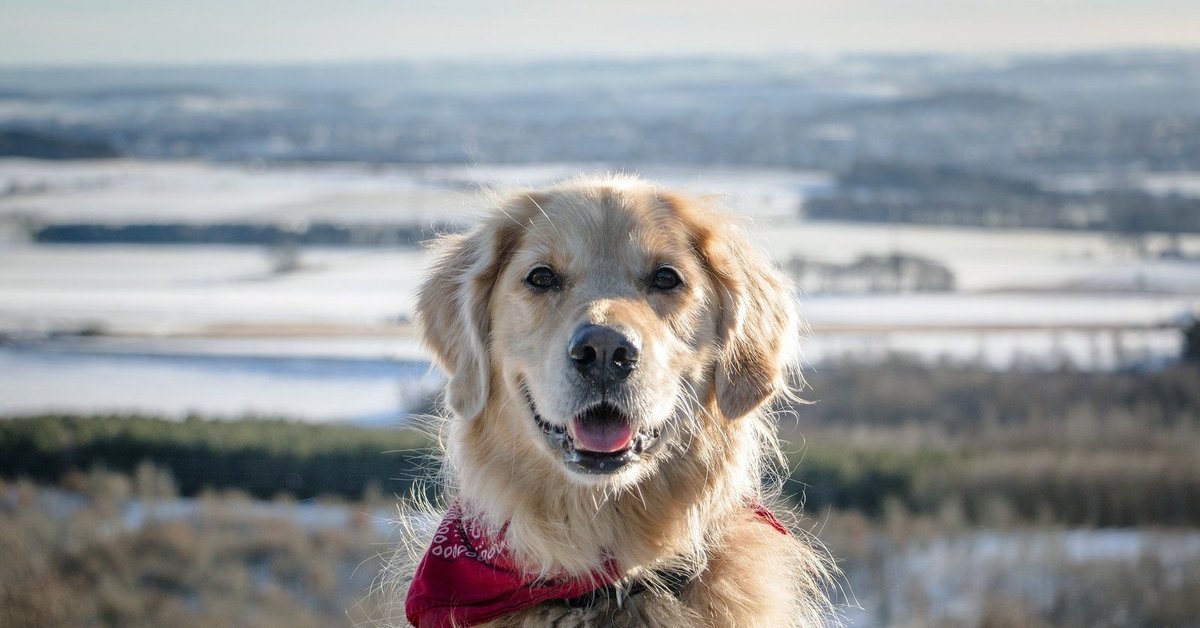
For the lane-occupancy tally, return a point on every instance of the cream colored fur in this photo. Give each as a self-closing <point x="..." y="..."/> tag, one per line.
<point x="717" y="354"/>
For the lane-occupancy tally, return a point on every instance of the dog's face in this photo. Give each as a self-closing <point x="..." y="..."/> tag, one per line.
<point x="604" y="323"/>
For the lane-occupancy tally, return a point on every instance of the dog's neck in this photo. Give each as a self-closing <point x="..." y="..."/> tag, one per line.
<point x="555" y="525"/>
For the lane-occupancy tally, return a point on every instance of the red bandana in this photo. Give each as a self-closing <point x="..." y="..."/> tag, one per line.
<point x="468" y="578"/>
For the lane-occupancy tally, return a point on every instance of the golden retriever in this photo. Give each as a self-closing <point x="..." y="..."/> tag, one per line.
<point x="612" y="350"/>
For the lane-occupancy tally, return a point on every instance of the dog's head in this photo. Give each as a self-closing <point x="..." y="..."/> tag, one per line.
<point x="604" y="320"/>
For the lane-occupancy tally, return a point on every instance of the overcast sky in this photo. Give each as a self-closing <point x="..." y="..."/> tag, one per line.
<point x="51" y="32"/>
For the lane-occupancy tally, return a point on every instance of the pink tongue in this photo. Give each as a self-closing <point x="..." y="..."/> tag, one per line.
<point x="602" y="431"/>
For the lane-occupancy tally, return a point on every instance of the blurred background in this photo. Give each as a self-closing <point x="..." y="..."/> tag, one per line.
<point x="211" y="227"/>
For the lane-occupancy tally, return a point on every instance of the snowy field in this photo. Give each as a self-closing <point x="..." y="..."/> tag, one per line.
<point x="121" y="191"/>
<point x="218" y="330"/>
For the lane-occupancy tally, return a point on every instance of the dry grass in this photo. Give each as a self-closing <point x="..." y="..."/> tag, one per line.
<point x="216" y="568"/>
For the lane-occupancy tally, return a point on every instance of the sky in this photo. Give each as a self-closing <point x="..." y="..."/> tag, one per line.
<point x="160" y="32"/>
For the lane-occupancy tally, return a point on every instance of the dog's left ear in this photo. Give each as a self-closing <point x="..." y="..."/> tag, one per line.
<point x="453" y="309"/>
<point x="758" y="324"/>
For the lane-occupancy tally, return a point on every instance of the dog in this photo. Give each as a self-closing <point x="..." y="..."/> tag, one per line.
<point x="612" y="350"/>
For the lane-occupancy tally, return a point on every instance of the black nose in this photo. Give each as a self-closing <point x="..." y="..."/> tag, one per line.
<point x="603" y="355"/>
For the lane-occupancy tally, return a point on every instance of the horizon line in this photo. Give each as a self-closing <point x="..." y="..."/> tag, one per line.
<point x="519" y="60"/>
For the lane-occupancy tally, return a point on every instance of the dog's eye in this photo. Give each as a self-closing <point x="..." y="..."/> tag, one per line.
<point x="542" y="278"/>
<point x="666" y="278"/>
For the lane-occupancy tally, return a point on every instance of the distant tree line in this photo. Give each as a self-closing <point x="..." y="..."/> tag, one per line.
<point x="935" y="194"/>
<point x="1191" y="342"/>
<point x="312" y="234"/>
<point x="46" y="145"/>
<point x="263" y="457"/>
<point x="1074" y="485"/>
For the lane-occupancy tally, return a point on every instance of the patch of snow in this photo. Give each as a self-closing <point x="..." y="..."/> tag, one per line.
<point x="310" y="389"/>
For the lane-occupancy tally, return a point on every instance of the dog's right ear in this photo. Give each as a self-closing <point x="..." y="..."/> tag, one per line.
<point x="453" y="309"/>
<point x="758" y="325"/>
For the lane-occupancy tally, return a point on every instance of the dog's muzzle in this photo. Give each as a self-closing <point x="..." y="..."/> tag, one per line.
<point x="605" y="440"/>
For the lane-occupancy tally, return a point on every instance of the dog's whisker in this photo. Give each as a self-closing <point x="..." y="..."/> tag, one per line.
<point x="521" y="224"/>
<point x="641" y="495"/>
<point x="548" y="221"/>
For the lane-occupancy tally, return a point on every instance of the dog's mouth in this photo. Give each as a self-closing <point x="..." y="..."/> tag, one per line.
<point x="600" y="440"/>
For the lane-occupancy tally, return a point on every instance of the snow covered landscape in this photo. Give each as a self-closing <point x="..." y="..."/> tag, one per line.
<point x="156" y="328"/>
<point x="207" y="347"/>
